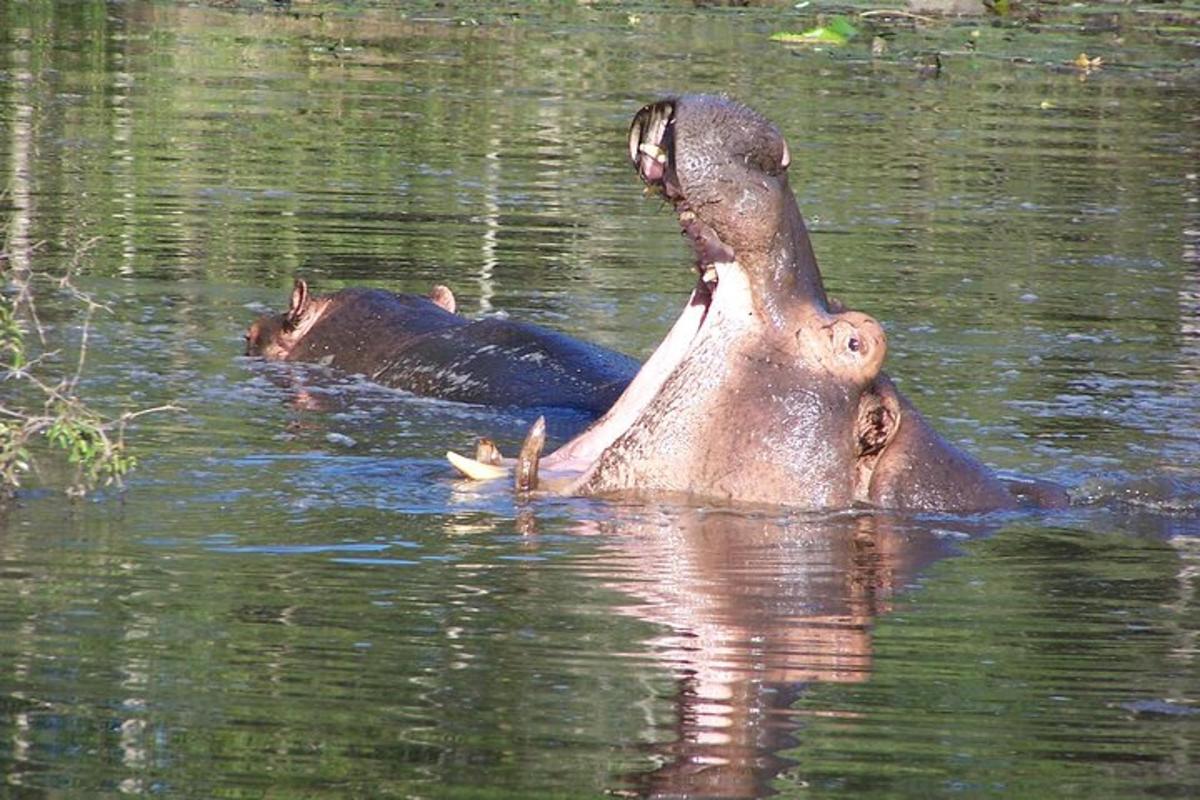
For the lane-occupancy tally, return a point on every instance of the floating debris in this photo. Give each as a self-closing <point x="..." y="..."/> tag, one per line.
<point x="837" y="31"/>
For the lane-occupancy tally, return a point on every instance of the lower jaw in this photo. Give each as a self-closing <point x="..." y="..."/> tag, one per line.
<point x="703" y="309"/>
<point x="579" y="453"/>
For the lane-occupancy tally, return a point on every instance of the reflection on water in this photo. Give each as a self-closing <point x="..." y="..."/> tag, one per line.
<point x="659" y="651"/>
<point x="755" y="609"/>
<point x="296" y="597"/>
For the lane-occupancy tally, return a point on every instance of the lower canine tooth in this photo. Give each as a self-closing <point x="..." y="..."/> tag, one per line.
<point x="710" y="274"/>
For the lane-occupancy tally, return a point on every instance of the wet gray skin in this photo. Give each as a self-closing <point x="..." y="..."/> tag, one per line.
<point x="420" y="345"/>
<point x="764" y="391"/>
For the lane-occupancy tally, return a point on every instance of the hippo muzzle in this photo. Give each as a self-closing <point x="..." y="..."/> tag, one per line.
<point x="723" y="167"/>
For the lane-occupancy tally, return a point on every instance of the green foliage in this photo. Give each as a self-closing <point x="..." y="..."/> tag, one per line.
<point x="80" y="433"/>
<point x="14" y="456"/>
<point x="46" y="407"/>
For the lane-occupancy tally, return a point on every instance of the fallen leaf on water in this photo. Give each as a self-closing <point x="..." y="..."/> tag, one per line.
<point x="837" y="31"/>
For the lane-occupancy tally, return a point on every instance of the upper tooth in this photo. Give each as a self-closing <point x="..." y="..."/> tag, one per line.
<point x="654" y="151"/>
<point x="686" y="216"/>
<point x="710" y="274"/>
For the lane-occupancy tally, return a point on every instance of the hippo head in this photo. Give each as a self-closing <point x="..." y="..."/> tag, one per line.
<point x="761" y="392"/>
<point x="273" y="336"/>
<point x="278" y="336"/>
<point x="764" y="391"/>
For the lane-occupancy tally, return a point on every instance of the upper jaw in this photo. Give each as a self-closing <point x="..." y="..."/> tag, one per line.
<point x="652" y="143"/>
<point x="652" y="151"/>
<point x="759" y="227"/>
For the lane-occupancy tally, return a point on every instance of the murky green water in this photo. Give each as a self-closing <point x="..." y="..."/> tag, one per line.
<point x="294" y="598"/>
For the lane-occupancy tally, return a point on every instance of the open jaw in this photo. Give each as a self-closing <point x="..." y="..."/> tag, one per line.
<point x="652" y="151"/>
<point x="721" y="282"/>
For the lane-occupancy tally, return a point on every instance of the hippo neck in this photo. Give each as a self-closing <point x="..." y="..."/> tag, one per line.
<point x="786" y="279"/>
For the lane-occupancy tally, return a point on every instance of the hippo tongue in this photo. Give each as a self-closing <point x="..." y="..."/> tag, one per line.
<point x="651" y="163"/>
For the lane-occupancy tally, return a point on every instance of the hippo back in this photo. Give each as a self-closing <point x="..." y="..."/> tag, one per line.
<point x="361" y="329"/>
<point x="501" y="362"/>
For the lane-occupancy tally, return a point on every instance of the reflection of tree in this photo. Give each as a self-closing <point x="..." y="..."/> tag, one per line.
<point x="358" y="147"/>
<point x="756" y="609"/>
<point x="1189" y="290"/>
<point x="18" y="180"/>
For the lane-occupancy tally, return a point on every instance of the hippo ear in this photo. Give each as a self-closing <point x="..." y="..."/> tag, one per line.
<point x="299" y="305"/>
<point x="443" y="297"/>
<point x="878" y="419"/>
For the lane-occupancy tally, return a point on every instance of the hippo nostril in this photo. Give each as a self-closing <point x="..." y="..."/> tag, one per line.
<point x="854" y="344"/>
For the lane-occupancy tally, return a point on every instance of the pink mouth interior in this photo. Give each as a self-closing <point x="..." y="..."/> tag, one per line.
<point x="577" y="455"/>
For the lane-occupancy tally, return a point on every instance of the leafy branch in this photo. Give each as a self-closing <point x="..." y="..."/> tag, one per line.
<point x="50" y="408"/>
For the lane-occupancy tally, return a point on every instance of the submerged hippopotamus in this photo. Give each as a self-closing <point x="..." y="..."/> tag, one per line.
<point x="764" y="391"/>
<point x="421" y="345"/>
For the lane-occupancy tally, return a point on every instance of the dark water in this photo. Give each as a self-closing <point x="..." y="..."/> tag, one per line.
<point x="295" y="598"/>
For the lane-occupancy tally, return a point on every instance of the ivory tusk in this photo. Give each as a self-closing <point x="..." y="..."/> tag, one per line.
<point x="475" y="470"/>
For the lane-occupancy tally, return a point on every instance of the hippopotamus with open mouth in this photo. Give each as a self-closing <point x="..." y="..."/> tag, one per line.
<point x="764" y="391"/>
<point x="421" y="345"/>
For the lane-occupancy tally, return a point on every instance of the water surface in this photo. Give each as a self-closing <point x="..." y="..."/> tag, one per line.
<point x="295" y="597"/>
